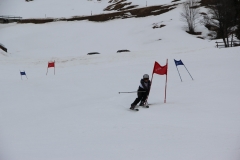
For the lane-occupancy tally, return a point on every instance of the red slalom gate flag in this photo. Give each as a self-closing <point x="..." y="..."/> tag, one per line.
<point x="158" y="69"/>
<point x="161" y="70"/>
<point x="50" y="65"/>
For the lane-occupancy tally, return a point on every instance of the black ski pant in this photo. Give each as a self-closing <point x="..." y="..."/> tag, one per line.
<point x="142" y="96"/>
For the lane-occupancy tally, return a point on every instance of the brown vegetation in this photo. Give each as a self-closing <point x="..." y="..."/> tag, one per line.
<point x="120" y="5"/>
<point x="139" y="12"/>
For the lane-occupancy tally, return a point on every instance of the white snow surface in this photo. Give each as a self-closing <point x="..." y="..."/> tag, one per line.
<point x="78" y="114"/>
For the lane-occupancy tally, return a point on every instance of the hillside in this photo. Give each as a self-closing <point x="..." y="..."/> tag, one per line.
<point x="69" y="8"/>
<point x="78" y="113"/>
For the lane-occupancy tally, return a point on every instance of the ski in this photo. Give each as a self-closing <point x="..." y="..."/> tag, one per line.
<point x="145" y="106"/>
<point x="134" y="109"/>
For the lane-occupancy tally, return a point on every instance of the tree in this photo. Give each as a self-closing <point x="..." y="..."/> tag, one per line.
<point x="221" y="14"/>
<point x="238" y="30"/>
<point x="237" y="17"/>
<point x="236" y="4"/>
<point x="190" y="14"/>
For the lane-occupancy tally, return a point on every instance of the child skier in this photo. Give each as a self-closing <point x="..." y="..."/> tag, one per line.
<point x="143" y="91"/>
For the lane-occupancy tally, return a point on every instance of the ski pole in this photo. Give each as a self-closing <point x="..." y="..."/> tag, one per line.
<point x="131" y="92"/>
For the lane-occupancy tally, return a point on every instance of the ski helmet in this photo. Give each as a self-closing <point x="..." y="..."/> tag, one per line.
<point x="146" y="76"/>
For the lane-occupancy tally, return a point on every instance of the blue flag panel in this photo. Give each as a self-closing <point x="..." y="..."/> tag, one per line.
<point x="178" y="62"/>
<point x="22" y="73"/>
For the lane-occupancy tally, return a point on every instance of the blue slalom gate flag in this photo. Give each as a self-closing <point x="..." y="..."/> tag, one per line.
<point x="181" y="63"/>
<point x="23" y="74"/>
<point x="178" y="62"/>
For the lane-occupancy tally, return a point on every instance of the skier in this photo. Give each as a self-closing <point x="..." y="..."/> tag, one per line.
<point x="143" y="91"/>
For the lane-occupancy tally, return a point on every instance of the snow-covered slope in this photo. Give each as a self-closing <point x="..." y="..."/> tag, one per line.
<point x="78" y="113"/>
<point x="67" y="8"/>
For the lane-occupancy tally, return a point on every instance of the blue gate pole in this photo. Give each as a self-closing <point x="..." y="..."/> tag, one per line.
<point x="188" y="71"/>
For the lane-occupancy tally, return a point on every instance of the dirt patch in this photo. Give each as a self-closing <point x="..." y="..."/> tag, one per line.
<point x="3" y="48"/>
<point x="37" y="21"/>
<point x="158" y="26"/>
<point x="194" y="33"/>
<point x="139" y="12"/>
<point x="200" y="37"/>
<point x="176" y="1"/>
<point x="203" y="13"/>
<point x="120" y="6"/>
<point x="153" y="10"/>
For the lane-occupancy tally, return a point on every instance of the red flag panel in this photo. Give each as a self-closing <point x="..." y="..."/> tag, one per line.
<point x="158" y="69"/>
<point x="51" y="64"/>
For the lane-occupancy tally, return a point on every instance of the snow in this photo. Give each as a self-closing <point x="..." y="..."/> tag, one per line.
<point x="64" y="8"/>
<point x="78" y="113"/>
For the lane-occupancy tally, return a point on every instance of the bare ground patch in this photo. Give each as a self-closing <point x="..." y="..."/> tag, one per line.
<point x="119" y="5"/>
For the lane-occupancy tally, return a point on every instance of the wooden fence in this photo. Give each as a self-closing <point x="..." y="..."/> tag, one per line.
<point x="230" y="44"/>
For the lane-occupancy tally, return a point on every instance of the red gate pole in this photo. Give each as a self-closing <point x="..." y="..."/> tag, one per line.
<point x="166" y="85"/>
